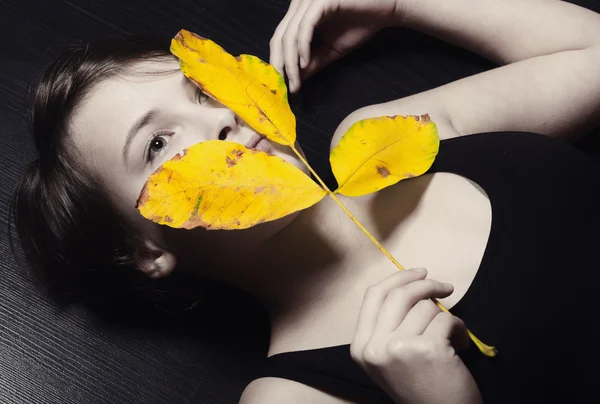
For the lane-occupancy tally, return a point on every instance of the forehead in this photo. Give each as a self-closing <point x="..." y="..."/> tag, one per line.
<point x="141" y="82"/>
<point x="114" y="103"/>
<point x="99" y="125"/>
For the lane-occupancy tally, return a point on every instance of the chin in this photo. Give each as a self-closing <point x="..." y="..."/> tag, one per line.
<point x="274" y="227"/>
<point x="250" y="241"/>
<point x="199" y="248"/>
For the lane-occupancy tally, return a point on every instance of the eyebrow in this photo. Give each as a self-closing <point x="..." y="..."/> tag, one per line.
<point x="145" y="120"/>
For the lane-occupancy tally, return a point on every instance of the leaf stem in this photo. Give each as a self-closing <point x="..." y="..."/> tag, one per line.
<point x="487" y="350"/>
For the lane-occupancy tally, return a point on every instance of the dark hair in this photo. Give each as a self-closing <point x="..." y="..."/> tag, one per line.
<point x="70" y="233"/>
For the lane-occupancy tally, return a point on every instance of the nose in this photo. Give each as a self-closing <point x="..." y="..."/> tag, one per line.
<point x="226" y="125"/>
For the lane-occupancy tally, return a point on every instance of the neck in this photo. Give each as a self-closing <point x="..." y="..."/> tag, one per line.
<point x="310" y="264"/>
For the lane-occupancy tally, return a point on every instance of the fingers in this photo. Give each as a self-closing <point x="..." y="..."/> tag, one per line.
<point x="374" y="298"/>
<point x="417" y="319"/>
<point x="306" y="28"/>
<point x="290" y="47"/>
<point x="402" y="300"/>
<point x="275" y="45"/>
<point x="445" y="325"/>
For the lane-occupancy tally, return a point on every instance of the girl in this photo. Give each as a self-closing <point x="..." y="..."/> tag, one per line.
<point x="503" y="221"/>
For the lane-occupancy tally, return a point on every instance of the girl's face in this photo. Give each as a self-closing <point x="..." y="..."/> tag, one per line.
<point x="128" y="126"/>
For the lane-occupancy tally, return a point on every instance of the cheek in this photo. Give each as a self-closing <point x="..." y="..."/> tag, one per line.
<point x="123" y="190"/>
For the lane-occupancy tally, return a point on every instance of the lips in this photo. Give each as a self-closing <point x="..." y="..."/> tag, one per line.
<point x="254" y="140"/>
<point x="259" y="142"/>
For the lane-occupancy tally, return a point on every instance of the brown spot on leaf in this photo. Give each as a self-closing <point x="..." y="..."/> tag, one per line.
<point x="201" y="38"/>
<point x="143" y="198"/>
<point x="259" y="190"/>
<point x="202" y="87"/>
<point x="383" y="171"/>
<point x="179" y="155"/>
<point x="409" y="175"/>
<point x="168" y="219"/>
<point x="180" y="38"/>
<point x="237" y="155"/>
<point x="274" y="92"/>
<point x="262" y="117"/>
<point x="196" y="221"/>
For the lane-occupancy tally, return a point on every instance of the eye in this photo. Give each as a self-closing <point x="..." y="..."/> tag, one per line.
<point x="200" y="96"/>
<point x="156" y="145"/>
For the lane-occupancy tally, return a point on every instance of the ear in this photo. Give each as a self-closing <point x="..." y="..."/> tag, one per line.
<point x="154" y="260"/>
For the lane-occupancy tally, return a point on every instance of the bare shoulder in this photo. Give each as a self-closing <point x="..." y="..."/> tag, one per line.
<point x="275" y="390"/>
<point x="418" y="104"/>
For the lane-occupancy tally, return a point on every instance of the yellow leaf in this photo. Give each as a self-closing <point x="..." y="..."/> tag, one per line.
<point x="378" y="152"/>
<point x="224" y="185"/>
<point x="251" y="88"/>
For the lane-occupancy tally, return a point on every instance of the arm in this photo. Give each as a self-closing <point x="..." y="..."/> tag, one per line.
<point x="275" y="390"/>
<point x="551" y="84"/>
<point x="505" y="31"/>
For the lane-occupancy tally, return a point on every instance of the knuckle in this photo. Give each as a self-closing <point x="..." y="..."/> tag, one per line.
<point x="426" y="349"/>
<point x="357" y="352"/>
<point x="426" y="306"/>
<point x="289" y="39"/>
<point x="399" y="348"/>
<point x="459" y="323"/>
<point x="275" y="41"/>
<point x="373" y="355"/>
<point x="413" y="350"/>
<point x="304" y="25"/>
<point x="373" y="291"/>
<point x="398" y="296"/>
<point x="445" y="317"/>
<point x="396" y="293"/>
<point x="303" y="42"/>
<point x="431" y="306"/>
<point x="416" y="288"/>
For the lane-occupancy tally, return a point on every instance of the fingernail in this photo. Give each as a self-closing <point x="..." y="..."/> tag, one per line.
<point x="449" y="286"/>
<point x="292" y="86"/>
<point x="419" y="270"/>
<point x="302" y="62"/>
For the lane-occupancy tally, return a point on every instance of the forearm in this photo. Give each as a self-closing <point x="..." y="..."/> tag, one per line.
<point x="505" y="31"/>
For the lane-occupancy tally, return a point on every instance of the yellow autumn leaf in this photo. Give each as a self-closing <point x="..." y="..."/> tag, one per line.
<point x="378" y="152"/>
<point x="235" y="191"/>
<point x="224" y="185"/>
<point x="251" y="88"/>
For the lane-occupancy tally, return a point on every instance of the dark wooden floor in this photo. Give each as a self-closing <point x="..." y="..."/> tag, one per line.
<point x="54" y="355"/>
